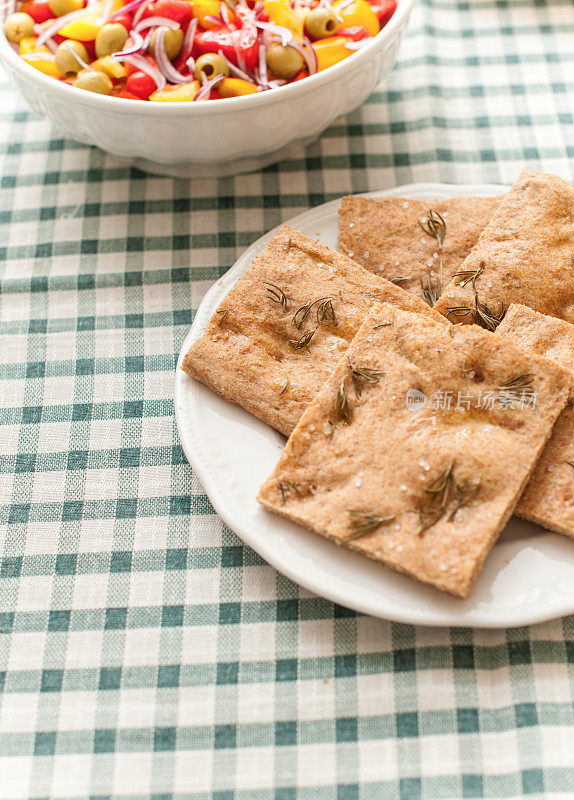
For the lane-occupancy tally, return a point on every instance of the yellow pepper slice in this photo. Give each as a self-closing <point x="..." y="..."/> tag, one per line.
<point x="86" y="26"/>
<point x="235" y="87"/>
<point x="206" y="8"/>
<point x="110" y="67"/>
<point x="28" y="45"/>
<point x="330" y="51"/>
<point x="39" y="62"/>
<point x="183" y="93"/>
<point x="359" y="12"/>
<point x="281" y="13"/>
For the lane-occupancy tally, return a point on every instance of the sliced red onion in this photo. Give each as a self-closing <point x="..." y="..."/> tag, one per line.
<point x="224" y="14"/>
<point x="164" y="64"/>
<point x="239" y="73"/>
<point x="55" y="26"/>
<point x="125" y="9"/>
<point x="49" y="43"/>
<point x="138" y="15"/>
<point x="207" y="87"/>
<point x="345" y="4"/>
<point x="81" y="61"/>
<point x="136" y="47"/>
<point x="39" y="57"/>
<point x="190" y="63"/>
<point x="284" y="34"/>
<point x="188" y="40"/>
<point x="262" y="65"/>
<point x="107" y="10"/>
<point x="308" y="54"/>
<point x="155" y="22"/>
<point x="276" y="84"/>
<point x="357" y="45"/>
<point x="139" y="62"/>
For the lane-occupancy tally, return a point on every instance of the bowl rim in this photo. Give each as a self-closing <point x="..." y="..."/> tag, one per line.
<point x="245" y="102"/>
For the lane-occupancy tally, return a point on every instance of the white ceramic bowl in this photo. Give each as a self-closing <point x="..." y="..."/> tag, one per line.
<point x="223" y="137"/>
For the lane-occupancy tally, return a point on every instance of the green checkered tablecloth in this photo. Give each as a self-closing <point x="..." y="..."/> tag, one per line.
<point x="145" y="653"/>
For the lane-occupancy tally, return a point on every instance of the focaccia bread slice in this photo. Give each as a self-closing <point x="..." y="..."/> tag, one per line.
<point x="385" y="236"/>
<point x="282" y="328"/>
<point x="549" y="496"/>
<point x="524" y="255"/>
<point x="381" y="461"/>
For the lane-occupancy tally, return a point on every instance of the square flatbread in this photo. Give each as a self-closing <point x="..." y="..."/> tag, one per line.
<point x="285" y="324"/>
<point x="384" y="236"/>
<point x="524" y="255"/>
<point x="549" y="496"/>
<point x="383" y="463"/>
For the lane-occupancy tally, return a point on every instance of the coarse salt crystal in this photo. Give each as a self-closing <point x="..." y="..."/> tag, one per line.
<point x="405" y="204"/>
<point x="351" y="224"/>
<point x="358" y="481"/>
<point x="403" y="488"/>
<point x="399" y="548"/>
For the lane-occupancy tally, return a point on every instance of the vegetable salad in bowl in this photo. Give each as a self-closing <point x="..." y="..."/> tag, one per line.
<point x="190" y="50"/>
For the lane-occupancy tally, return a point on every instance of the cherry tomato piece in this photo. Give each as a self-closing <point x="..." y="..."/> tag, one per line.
<point x="40" y="11"/>
<point x="124" y="19"/>
<point x="384" y="9"/>
<point x="141" y="84"/>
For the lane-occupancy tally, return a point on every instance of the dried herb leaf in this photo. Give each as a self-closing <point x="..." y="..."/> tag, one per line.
<point x="364" y="522"/>
<point x="223" y="312"/>
<point x="284" y="389"/>
<point x="302" y="343"/>
<point x="343" y="408"/>
<point x="519" y="386"/>
<point x="463" y="493"/>
<point x="325" y="310"/>
<point x="428" y="518"/>
<point x="441" y="485"/>
<point x="431" y="288"/>
<point x="382" y="325"/>
<point x="465" y="276"/>
<point x="363" y="375"/>
<point x="435" y="226"/>
<point x="487" y="318"/>
<point x="286" y="488"/>
<point x="287" y="245"/>
<point x="276" y="294"/>
<point x="396" y="281"/>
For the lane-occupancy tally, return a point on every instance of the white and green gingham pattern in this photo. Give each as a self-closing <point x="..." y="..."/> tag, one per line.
<point x="145" y="653"/>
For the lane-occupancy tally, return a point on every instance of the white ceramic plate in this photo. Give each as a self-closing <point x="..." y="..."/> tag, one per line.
<point x="528" y="577"/>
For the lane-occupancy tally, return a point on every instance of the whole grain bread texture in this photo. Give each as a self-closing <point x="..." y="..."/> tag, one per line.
<point x="524" y="255"/>
<point x="284" y="325"/>
<point x="410" y="454"/>
<point x="385" y="236"/>
<point x="549" y="496"/>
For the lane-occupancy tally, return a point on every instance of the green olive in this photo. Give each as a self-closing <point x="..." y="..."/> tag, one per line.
<point x="210" y="65"/>
<point x="93" y="81"/>
<point x="65" y="60"/>
<point x="18" y="26"/>
<point x="110" y="39"/>
<point x="172" y="40"/>
<point x="321" y="22"/>
<point x="284" y="61"/>
<point x="61" y="7"/>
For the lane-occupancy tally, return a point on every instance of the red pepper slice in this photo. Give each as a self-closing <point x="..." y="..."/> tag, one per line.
<point x="179" y="10"/>
<point x="355" y="33"/>
<point x="241" y="46"/>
